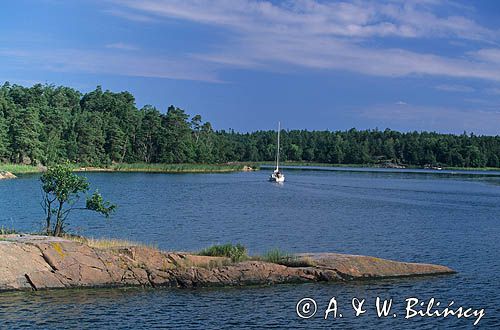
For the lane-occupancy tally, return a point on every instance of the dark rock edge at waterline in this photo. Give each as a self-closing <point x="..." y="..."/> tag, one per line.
<point x="31" y="262"/>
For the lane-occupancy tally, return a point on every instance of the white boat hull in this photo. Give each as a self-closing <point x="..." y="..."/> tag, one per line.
<point x="277" y="178"/>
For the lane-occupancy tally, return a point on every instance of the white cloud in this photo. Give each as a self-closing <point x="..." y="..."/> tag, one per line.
<point x="129" y="15"/>
<point x="121" y="46"/>
<point x="489" y="55"/>
<point x="275" y="36"/>
<point x="352" y="19"/>
<point x="333" y="35"/>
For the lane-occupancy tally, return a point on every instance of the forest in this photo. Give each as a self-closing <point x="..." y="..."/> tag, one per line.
<point x="46" y="124"/>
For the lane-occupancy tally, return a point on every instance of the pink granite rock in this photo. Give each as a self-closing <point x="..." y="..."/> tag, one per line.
<point x="39" y="262"/>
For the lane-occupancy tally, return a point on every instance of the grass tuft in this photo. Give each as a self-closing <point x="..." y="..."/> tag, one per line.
<point x="235" y="252"/>
<point x="106" y="243"/>
<point x="177" y="168"/>
<point x="279" y="257"/>
<point x="19" y="168"/>
<point x="139" y="167"/>
<point x="7" y="231"/>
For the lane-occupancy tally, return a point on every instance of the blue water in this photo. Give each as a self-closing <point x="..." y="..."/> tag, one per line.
<point x="419" y="217"/>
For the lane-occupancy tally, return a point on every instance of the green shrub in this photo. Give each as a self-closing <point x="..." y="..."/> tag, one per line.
<point x="235" y="252"/>
<point x="7" y="231"/>
<point x="279" y="257"/>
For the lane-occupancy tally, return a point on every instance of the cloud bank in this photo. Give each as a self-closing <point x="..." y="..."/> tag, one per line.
<point x="335" y="35"/>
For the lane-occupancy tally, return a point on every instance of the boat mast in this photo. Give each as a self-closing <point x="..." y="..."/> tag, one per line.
<point x="278" y="153"/>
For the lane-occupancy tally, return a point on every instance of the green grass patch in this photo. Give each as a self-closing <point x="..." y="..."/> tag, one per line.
<point x="7" y="231"/>
<point x="19" y="168"/>
<point x="279" y="257"/>
<point x="236" y="252"/>
<point x="139" y="167"/>
<point x="107" y="243"/>
<point x="172" y="168"/>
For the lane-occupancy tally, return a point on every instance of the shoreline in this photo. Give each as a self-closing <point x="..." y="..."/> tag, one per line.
<point x="40" y="262"/>
<point x="153" y="170"/>
<point x="375" y="166"/>
<point x="5" y="175"/>
<point x="17" y="169"/>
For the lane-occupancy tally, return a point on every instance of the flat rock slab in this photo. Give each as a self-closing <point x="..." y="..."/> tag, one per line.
<point x="356" y="266"/>
<point x="6" y="175"/>
<point x="31" y="262"/>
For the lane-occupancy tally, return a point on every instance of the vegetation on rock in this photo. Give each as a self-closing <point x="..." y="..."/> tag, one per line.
<point x="7" y="231"/>
<point x="277" y="256"/>
<point x="235" y="252"/>
<point x="238" y="253"/>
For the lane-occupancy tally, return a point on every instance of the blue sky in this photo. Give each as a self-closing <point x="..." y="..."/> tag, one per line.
<point x="245" y="64"/>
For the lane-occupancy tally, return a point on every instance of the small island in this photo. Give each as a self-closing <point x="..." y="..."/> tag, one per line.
<point x="33" y="262"/>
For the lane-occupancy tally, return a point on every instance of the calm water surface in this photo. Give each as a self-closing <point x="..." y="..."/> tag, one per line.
<point x="420" y="217"/>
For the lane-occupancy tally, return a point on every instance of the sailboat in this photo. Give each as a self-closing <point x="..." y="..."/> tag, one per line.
<point x="277" y="176"/>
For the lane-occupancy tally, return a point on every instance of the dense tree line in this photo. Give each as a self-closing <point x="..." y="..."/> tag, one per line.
<point x="47" y="124"/>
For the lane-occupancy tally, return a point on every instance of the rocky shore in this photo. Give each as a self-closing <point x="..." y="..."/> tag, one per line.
<point x="38" y="262"/>
<point x="6" y="175"/>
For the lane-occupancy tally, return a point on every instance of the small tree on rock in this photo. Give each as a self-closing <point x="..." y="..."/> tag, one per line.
<point x="61" y="191"/>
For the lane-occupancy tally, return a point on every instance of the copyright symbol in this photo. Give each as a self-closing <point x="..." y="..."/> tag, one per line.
<point x="306" y="308"/>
